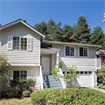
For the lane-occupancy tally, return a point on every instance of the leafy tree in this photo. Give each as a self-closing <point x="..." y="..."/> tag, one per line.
<point x="3" y="72"/>
<point x="70" y="77"/>
<point x="98" y="37"/>
<point x="104" y="18"/>
<point x="83" y="32"/>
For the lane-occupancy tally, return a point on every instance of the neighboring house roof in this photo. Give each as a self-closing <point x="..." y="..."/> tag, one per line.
<point x="68" y="43"/>
<point x="21" y="21"/>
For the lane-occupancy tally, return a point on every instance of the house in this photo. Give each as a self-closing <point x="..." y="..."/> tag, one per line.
<point x="32" y="57"/>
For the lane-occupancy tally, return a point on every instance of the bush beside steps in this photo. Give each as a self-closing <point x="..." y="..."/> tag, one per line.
<point x="68" y="96"/>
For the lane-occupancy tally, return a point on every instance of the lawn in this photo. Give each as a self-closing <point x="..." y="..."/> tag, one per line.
<point x="26" y="101"/>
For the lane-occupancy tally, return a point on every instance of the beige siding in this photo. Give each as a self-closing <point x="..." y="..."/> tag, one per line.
<point x="34" y="73"/>
<point x="82" y="63"/>
<point x="20" y="56"/>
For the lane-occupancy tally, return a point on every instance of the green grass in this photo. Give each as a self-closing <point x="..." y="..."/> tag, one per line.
<point x="26" y="101"/>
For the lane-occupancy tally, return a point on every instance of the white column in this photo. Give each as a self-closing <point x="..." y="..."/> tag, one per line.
<point x="93" y="79"/>
<point x="57" y="57"/>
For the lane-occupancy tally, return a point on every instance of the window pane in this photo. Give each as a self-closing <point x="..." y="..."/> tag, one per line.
<point x="81" y="51"/>
<point x="85" y="51"/>
<point x="24" y="74"/>
<point x="71" y="51"/>
<point x="67" y="51"/>
<point x="16" y="75"/>
<point x="15" y="42"/>
<point x="23" y="43"/>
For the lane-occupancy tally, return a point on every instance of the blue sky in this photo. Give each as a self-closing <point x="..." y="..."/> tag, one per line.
<point x="64" y="11"/>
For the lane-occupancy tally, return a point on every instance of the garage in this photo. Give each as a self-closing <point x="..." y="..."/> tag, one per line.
<point x="85" y="79"/>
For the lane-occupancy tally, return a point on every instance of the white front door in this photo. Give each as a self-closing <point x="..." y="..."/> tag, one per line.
<point x="46" y="65"/>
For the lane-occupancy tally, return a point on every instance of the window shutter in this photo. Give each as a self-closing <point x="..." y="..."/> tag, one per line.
<point x="28" y="74"/>
<point x="10" y="43"/>
<point x="10" y="75"/>
<point x="29" y="44"/>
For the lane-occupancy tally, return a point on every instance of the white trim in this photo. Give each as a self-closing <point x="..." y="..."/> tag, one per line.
<point x="68" y="43"/>
<point x="13" y="23"/>
<point x="25" y="64"/>
<point x="65" y="49"/>
<point x="83" y="56"/>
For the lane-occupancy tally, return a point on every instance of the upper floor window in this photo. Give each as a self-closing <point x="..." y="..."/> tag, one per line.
<point x="69" y="51"/>
<point x="20" y="43"/>
<point x="83" y="52"/>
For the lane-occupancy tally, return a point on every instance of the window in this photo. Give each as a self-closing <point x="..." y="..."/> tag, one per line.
<point x="69" y="51"/>
<point x="23" y="43"/>
<point x="83" y="52"/>
<point x="20" y="74"/>
<point x="20" y="43"/>
<point x="15" y="42"/>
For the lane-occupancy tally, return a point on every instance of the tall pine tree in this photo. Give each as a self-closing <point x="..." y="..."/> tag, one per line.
<point x="98" y="37"/>
<point x="83" y="30"/>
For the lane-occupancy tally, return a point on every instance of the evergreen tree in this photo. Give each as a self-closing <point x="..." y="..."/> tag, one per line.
<point x="98" y="37"/>
<point x="67" y="34"/>
<point x="83" y="32"/>
<point x="41" y="27"/>
<point x="53" y="30"/>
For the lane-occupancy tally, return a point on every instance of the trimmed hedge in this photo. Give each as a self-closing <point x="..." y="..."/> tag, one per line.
<point x="68" y="96"/>
<point x="39" y="97"/>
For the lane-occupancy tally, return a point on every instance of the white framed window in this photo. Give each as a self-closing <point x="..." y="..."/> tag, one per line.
<point x="21" y="74"/>
<point x="19" y="43"/>
<point x="69" y="51"/>
<point x="83" y="51"/>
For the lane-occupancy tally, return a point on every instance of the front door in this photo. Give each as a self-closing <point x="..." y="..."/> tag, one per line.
<point x="46" y="65"/>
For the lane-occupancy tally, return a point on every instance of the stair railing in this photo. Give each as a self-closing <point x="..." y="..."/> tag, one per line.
<point x="61" y="79"/>
<point x="41" y="78"/>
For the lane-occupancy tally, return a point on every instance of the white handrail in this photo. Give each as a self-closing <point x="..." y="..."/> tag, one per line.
<point x="61" y="79"/>
<point x="41" y="78"/>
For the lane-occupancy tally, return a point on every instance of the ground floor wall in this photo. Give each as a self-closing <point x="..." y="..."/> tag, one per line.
<point x="34" y="70"/>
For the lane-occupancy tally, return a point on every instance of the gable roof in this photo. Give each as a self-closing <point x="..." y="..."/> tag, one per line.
<point x="68" y="43"/>
<point x="21" y="21"/>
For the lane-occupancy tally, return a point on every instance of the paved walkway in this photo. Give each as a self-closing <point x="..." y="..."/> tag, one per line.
<point x="99" y="89"/>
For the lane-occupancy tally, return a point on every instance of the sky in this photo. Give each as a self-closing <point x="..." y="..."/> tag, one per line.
<point x="64" y="11"/>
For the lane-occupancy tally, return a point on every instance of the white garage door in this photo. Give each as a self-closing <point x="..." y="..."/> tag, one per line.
<point x="85" y="79"/>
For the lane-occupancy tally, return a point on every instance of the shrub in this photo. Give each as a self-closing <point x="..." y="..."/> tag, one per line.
<point x="26" y="93"/>
<point x="68" y="96"/>
<point x="101" y="76"/>
<point x="76" y="96"/>
<point x="31" y="82"/>
<point x="100" y="86"/>
<point x="40" y="97"/>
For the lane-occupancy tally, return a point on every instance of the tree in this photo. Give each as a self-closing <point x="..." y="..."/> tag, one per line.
<point x="67" y="34"/>
<point x="83" y="30"/>
<point x="98" y="37"/>
<point x="3" y="72"/>
<point x="104" y="18"/>
<point x="41" y="27"/>
<point x="51" y="30"/>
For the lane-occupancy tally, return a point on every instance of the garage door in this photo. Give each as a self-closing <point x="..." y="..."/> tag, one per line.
<point x="85" y="79"/>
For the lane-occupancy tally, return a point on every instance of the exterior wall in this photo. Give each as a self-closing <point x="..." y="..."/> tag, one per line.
<point x="20" y="56"/>
<point x="35" y="73"/>
<point x="82" y="63"/>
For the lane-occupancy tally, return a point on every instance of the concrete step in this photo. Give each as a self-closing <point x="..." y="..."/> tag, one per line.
<point x="50" y="82"/>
